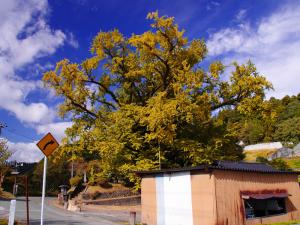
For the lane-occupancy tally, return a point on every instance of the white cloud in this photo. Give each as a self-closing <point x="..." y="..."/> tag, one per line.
<point x="273" y="45"/>
<point x="25" y="152"/>
<point x="38" y="69"/>
<point x="56" y="129"/>
<point x="25" y="36"/>
<point x="212" y="4"/>
<point x="28" y="151"/>
<point x="241" y="14"/>
<point x="72" y="40"/>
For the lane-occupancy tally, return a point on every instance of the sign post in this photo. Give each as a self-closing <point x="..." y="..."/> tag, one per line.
<point x="47" y="145"/>
<point x="43" y="190"/>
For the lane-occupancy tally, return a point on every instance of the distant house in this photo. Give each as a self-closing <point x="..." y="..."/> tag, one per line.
<point x="21" y="167"/>
<point x="285" y="153"/>
<point x="263" y="146"/>
<point x="296" y="149"/>
<point x="224" y="193"/>
<point x="282" y="153"/>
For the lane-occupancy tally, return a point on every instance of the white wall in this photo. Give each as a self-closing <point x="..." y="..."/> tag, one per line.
<point x="174" y="199"/>
<point x="263" y="146"/>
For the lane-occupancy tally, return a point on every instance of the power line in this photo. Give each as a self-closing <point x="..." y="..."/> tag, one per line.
<point x="19" y="134"/>
<point x="3" y="125"/>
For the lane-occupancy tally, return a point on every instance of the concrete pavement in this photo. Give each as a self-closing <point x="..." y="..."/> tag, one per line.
<point x="57" y="216"/>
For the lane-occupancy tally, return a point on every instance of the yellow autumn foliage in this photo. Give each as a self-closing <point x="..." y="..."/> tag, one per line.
<point x="145" y="99"/>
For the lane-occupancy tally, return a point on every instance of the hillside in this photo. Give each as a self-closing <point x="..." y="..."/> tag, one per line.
<point x="251" y="155"/>
<point x="292" y="162"/>
<point x="4" y="195"/>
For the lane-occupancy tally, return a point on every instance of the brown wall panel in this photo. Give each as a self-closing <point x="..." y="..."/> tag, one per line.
<point x="203" y="199"/>
<point x="148" y="200"/>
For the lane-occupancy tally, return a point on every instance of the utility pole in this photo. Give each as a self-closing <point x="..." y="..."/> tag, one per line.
<point x="72" y="165"/>
<point x="72" y="169"/>
<point x="159" y="156"/>
<point x="2" y="125"/>
<point x="25" y="179"/>
<point x="27" y="200"/>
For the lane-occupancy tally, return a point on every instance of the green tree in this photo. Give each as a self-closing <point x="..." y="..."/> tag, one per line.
<point x="278" y="121"/>
<point x="262" y="159"/>
<point x="145" y="98"/>
<point x="288" y="131"/>
<point x="57" y="174"/>
<point x="279" y="164"/>
<point x="4" y="155"/>
<point x="291" y="108"/>
<point x="252" y="131"/>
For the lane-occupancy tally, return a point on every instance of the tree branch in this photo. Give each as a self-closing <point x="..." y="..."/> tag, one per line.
<point x="228" y="102"/>
<point x="165" y="62"/>
<point x="81" y="107"/>
<point x="107" y="103"/>
<point x="114" y="97"/>
<point x="168" y="39"/>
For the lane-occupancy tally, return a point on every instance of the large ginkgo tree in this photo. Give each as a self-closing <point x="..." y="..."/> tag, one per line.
<point x="147" y="101"/>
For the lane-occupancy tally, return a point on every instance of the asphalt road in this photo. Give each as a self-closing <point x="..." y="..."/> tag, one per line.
<point x="57" y="216"/>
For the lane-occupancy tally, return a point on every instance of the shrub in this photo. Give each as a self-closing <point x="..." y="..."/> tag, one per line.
<point x="5" y="222"/>
<point x="75" y="181"/>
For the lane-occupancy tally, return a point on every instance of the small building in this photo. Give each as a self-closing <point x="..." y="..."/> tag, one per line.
<point x="223" y="193"/>
<point x="283" y="152"/>
<point x="263" y="146"/>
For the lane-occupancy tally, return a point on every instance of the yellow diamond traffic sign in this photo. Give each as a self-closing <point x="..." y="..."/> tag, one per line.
<point x="47" y="144"/>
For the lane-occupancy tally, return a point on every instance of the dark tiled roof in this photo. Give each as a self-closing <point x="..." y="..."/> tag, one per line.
<point x="243" y="166"/>
<point x="222" y="165"/>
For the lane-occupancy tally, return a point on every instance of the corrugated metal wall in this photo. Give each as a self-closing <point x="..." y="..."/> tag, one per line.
<point x="148" y="200"/>
<point x="212" y="199"/>
<point x="203" y="199"/>
<point x="230" y="184"/>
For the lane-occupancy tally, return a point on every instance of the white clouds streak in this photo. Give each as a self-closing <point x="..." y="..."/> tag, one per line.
<point x="72" y="41"/>
<point x="25" y="152"/>
<point x="57" y="129"/>
<point x="25" y="36"/>
<point x="273" y="45"/>
<point x="29" y="152"/>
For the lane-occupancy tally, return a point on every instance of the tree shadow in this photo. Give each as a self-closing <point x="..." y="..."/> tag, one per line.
<point x="55" y="222"/>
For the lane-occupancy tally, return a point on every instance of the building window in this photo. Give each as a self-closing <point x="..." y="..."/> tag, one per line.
<point x="264" y="207"/>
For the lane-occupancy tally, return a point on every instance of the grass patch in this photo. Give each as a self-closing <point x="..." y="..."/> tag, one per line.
<point x="6" y="195"/>
<point x="5" y="222"/>
<point x="251" y="155"/>
<point x="285" y="223"/>
<point x="113" y="188"/>
<point x="293" y="163"/>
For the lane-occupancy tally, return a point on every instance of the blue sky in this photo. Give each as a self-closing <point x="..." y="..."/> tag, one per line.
<point x="35" y="34"/>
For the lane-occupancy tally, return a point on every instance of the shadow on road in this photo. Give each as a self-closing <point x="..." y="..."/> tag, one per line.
<point x="49" y="222"/>
<point x="22" y="200"/>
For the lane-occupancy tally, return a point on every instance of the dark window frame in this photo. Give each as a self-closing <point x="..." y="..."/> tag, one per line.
<point x="249" y="204"/>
